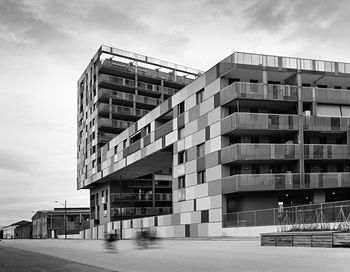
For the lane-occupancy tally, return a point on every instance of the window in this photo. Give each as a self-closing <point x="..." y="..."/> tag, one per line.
<point x="124" y="144"/>
<point x="181" y="108"/>
<point x="116" y="149"/>
<point x="106" y="195"/>
<point x="199" y="96"/>
<point x="93" y="163"/>
<point x="181" y="157"/>
<point x="148" y="129"/>
<point x="201" y="177"/>
<point x="200" y="150"/>
<point x="182" y="182"/>
<point x="181" y="133"/>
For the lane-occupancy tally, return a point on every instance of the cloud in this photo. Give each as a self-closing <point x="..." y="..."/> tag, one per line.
<point x="14" y="159"/>
<point x="20" y="25"/>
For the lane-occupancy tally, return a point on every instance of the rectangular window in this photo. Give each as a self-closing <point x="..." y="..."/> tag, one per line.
<point x="106" y="195"/>
<point x="116" y="149"/>
<point x="182" y="182"/>
<point x="181" y="108"/>
<point x="124" y="144"/>
<point x="200" y="150"/>
<point x="201" y="177"/>
<point x="181" y="157"/>
<point x="148" y="129"/>
<point x="93" y="163"/>
<point x="199" y="96"/>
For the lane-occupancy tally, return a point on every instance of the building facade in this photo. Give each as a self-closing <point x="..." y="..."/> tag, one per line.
<point x="252" y="132"/>
<point x="116" y="89"/>
<point x="60" y="222"/>
<point x="18" y="230"/>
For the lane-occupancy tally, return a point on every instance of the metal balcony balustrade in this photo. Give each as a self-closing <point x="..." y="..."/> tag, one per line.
<point x="326" y="151"/>
<point x="244" y="152"/>
<point x="149" y="60"/>
<point x="321" y="123"/>
<point x="260" y="182"/>
<point x="142" y="71"/>
<point x="284" y="181"/>
<point x="115" y="197"/>
<point x="247" y="90"/>
<point x="106" y="108"/>
<point x="287" y="63"/>
<point x="294" y="215"/>
<point x="144" y="211"/>
<point x="259" y="121"/>
<point x="327" y="180"/>
<point x="120" y="124"/>
<point x="326" y="95"/>
<point x="142" y="86"/>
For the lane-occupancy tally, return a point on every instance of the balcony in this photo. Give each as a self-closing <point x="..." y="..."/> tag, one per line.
<point x="109" y="65"/>
<point x="327" y="180"/>
<point x="258" y="152"/>
<point x="116" y="197"/>
<point x="113" y="80"/>
<point x="326" y="95"/>
<point x="110" y="123"/>
<point x="140" y="212"/>
<point x="258" y="121"/>
<point x="120" y="110"/>
<point x="324" y="152"/>
<point x="320" y="123"/>
<point x="247" y="90"/>
<point x="287" y="63"/>
<point x="260" y="182"/>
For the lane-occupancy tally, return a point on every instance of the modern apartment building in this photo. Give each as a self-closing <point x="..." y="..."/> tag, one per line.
<point x="250" y="133"/>
<point x="116" y="89"/>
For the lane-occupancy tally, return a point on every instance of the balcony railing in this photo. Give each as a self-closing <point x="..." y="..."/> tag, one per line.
<point x="121" y="110"/>
<point x="245" y="120"/>
<point x="284" y="181"/>
<point x="292" y="215"/>
<point x="115" y="197"/>
<point x="243" y="152"/>
<point x="260" y="182"/>
<point x="103" y="122"/>
<point x="119" y="66"/>
<point x="327" y="180"/>
<point x="163" y="130"/>
<point x="258" y="91"/>
<point x="326" y="95"/>
<point x="144" y="211"/>
<point x="287" y="62"/>
<point x="320" y="123"/>
<point x="317" y="151"/>
<point x="117" y="80"/>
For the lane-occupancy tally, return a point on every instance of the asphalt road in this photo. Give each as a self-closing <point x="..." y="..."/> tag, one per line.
<point x="18" y="260"/>
<point x="184" y="255"/>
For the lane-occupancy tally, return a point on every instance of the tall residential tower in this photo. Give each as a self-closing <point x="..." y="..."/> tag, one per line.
<point x="115" y="90"/>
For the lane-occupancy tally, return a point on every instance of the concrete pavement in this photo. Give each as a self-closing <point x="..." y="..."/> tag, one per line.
<point x="192" y="255"/>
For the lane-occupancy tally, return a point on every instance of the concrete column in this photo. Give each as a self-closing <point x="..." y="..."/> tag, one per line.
<point x="301" y="131"/>
<point x="136" y="88"/>
<point x="319" y="196"/>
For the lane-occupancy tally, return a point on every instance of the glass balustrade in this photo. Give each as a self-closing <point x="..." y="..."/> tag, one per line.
<point x="239" y="152"/>
<point x="258" y="91"/>
<point x="243" y="120"/>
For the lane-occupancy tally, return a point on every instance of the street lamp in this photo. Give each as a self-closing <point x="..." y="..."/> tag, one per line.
<point x="65" y="213"/>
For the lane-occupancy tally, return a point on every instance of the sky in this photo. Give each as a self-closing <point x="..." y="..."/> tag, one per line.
<point x="45" y="45"/>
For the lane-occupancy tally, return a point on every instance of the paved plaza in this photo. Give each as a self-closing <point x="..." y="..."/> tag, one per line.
<point x="169" y="255"/>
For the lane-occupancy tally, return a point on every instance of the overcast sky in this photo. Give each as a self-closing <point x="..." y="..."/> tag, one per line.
<point x="45" y="46"/>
